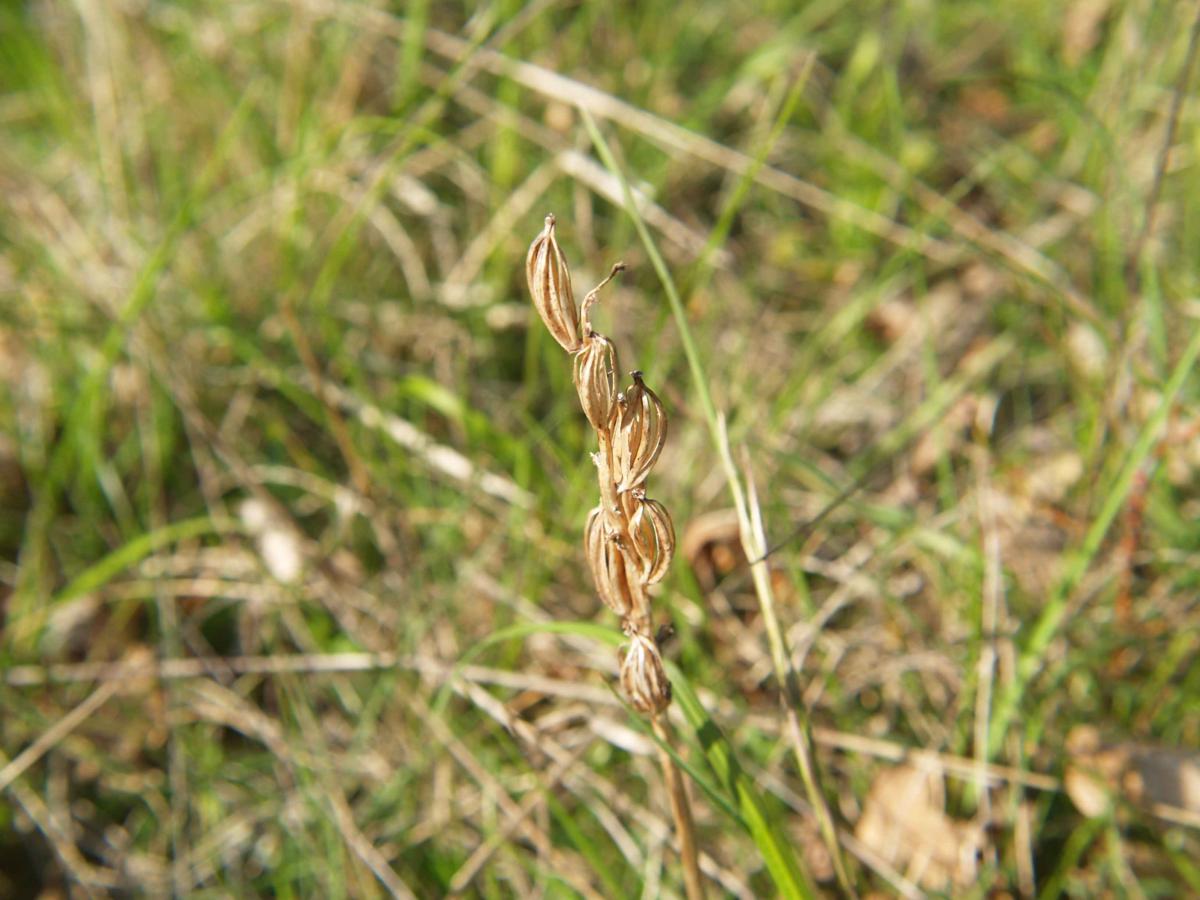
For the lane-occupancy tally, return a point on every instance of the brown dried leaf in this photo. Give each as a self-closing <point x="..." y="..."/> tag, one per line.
<point x="712" y="546"/>
<point x="1145" y="775"/>
<point x="904" y="821"/>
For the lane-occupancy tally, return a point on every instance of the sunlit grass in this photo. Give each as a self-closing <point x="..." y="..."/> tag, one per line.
<point x="273" y="414"/>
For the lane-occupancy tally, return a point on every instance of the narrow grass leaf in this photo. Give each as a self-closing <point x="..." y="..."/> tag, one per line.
<point x="1055" y="611"/>
<point x="778" y="855"/>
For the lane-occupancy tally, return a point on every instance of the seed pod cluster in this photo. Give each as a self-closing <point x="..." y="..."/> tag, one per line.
<point x="629" y="539"/>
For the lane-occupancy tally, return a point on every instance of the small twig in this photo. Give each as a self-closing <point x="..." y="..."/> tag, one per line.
<point x="56" y="732"/>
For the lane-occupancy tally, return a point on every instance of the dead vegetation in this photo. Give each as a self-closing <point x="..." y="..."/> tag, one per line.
<point x="292" y="489"/>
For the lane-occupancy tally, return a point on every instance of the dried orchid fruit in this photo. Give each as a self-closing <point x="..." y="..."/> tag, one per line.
<point x="643" y="676"/>
<point x="596" y="379"/>
<point x="641" y="433"/>
<point x="653" y="535"/>
<point x="550" y="284"/>
<point x="629" y="539"/>
<point x="606" y="559"/>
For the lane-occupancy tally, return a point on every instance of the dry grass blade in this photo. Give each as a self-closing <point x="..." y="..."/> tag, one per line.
<point x="754" y="543"/>
<point x="669" y="135"/>
<point x="475" y="863"/>
<point x="90" y="879"/>
<point x="573" y="870"/>
<point x="212" y="702"/>
<point x="56" y="732"/>
<point x="440" y="457"/>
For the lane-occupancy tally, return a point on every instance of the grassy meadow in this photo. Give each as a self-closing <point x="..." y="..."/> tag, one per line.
<point x="293" y="481"/>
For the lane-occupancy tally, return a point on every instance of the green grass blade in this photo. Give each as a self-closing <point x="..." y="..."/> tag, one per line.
<point x="699" y="378"/>
<point x="1054" y="612"/>
<point x="778" y="855"/>
<point x="139" y="548"/>
<point x="787" y="866"/>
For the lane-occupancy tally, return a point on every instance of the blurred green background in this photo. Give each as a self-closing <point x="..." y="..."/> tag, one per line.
<point x="293" y="482"/>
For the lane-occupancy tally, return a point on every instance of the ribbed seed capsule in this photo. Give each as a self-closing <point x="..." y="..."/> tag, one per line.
<point x="596" y="379"/>
<point x="550" y="284"/>
<point x="653" y="535"/>
<point x="643" y="677"/>
<point x="607" y="562"/>
<point x="641" y="433"/>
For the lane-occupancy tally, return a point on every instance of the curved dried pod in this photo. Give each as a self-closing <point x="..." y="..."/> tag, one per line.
<point x="641" y="433"/>
<point x="653" y="535"/>
<point x="596" y="380"/>
<point x="606" y="559"/>
<point x="550" y="284"/>
<point x="643" y="677"/>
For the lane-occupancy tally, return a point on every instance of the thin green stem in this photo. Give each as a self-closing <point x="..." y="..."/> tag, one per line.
<point x="801" y="741"/>
<point x="699" y="379"/>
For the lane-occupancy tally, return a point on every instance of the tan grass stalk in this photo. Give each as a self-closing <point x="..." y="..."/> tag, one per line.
<point x="629" y="538"/>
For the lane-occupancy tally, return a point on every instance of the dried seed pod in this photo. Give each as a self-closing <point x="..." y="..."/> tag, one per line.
<point x="550" y="284"/>
<point x="643" y="677"/>
<point x="641" y="433"/>
<point x="653" y="535"/>
<point x="606" y="559"/>
<point x="596" y="380"/>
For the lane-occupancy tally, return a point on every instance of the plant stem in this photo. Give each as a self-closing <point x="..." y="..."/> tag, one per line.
<point x="681" y="810"/>
<point x="790" y="699"/>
